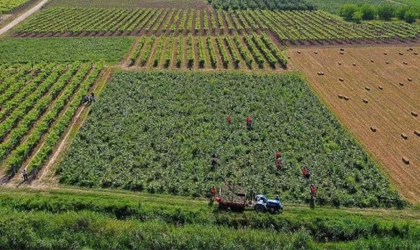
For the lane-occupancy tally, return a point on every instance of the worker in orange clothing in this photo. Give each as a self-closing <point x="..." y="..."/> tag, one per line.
<point x="229" y="120"/>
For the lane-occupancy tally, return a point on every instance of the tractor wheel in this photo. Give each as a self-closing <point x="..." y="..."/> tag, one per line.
<point x="259" y="208"/>
<point x="276" y="211"/>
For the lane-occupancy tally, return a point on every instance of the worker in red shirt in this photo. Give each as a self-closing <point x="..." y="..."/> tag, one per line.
<point x="249" y="122"/>
<point x="213" y="191"/>
<point x="313" y="190"/>
<point x="278" y="154"/>
<point x="278" y="163"/>
<point x="229" y="120"/>
<point x="305" y="172"/>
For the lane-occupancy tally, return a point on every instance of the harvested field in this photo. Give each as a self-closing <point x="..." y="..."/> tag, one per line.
<point x="392" y="89"/>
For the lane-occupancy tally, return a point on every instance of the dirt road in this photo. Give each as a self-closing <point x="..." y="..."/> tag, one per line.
<point x="22" y="17"/>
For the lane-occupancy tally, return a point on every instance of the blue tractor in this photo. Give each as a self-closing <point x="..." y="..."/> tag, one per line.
<point x="263" y="205"/>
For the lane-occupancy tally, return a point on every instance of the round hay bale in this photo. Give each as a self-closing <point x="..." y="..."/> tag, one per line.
<point x="341" y="53"/>
<point x="387" y="62"/>
<point x="341" y="79"/>
<point x="409" y="79"/>
<point x="341" y="49"/>
<point x="380" y="87"/>
<point x="405" y="63"/>
<point x="340" y="96"/>
<point x="417" y="132"/>
<point x="365" y="100"/>
<point x="406" y="160"/>
<point x="354" y="64"/>
<point x="401" y="84"/>
<point x="385" y="53"/>
<point x="316" y="52"/>
<point x="371" y="60"/>
<point x="400" y="53"/>
<point x="289" y="57"/>
<point x="373" y="128"/>
<point x="367" y="88"/>
<point x="346" y="98"/>
<point x="339" y="63"/>
<point x="416" y="54"/>
<point x="404" y="136"/>
<point x="298" y="52"/>
<point x="414" y="114"/>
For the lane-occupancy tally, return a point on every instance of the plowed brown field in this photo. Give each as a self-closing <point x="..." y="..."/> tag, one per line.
<point x="361" y="75"/>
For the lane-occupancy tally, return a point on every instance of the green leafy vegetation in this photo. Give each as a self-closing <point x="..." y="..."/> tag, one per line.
<point x="356" y="13"/>
<point x="262" y="4"/>
<point x="7" y="6"/>
<point x="93" y="49"/>
<point x="157" y="132"/>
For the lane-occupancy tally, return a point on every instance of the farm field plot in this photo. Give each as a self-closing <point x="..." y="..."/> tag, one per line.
<point x="289" y="27"/>
<point x="206" y="52"/>
<point x="183" y="4"/>
<point x="262" y="4"/>
<point x="37" y="101"/>
<point x="156" y="131"/>
<point x="382" y="85"/>
<point x="87" y="49"/>
<point x="9" y="5"/>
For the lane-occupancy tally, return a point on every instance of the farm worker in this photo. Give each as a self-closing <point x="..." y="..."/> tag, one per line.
<point x="306" y="173"/>
<point x="229" y="119"/>
<point x="214" y="161"/>
<point x="313" y="189"/>
<point x="86" y="99"/>
<point x="249" y="122"/>
<point x="277" y="198"/>
<point x="278" y="154"/>
<point x="278" y="163"/>
<point x="25" y="175"/>
<point x="92" y="98"/>
<point x="213" y="191"/>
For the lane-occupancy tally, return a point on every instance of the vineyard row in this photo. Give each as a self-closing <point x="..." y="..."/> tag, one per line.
<point x="238" y="51"/>
<point x="287" y="26"/>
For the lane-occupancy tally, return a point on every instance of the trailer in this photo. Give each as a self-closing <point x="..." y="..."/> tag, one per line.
<point x="232" y="197"/>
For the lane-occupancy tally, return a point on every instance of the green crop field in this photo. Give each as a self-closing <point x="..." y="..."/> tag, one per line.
<point x="38" y="101"/>
<point x="157" y="132"/>
<point x="64" y="50"/>
<point x="9" y="5"/>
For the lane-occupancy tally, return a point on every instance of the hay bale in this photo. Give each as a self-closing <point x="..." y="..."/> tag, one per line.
<point x="416" y="54"/>
<point x="406" y="160"/>
<point x="354" y="64"/>
<point x="341" y="49"/>
<point x="367" y="88"/>
<point x="380" y="87"/>
<point x="298" y="52"/>
<point x="339" y="63"/>
<point x="404" y="136"/>
<point x="405" y="63"/>
<point x="340" y="96"/>
<point x="400" y="53"/>
<point x="365" y="100"/>
<point x="346" y="98"/>
<point x="414" y="114"/>
<point x="409" y="79"/>
<point x="289" y="57"/>
<point x="341" y="53"/>
<point x="401" y="84"/>
<point x="341" y="79"/>
<point x="372" y="60"/>
<point x="387" y="62"/>
<point x="373" y="128"/>
<point x="410" y="49"/>
<point x="385" y="53"/>
<point x="417" y="132"/>
<point x="316" y="52"/>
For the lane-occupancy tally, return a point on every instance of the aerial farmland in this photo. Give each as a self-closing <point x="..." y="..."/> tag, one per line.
<point x="209" y="124"/>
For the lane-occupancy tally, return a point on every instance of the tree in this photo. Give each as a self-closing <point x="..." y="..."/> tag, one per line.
<point x="411" y="15"/>
<point x="386" y="12"/>
<point x="347" y="11"/>
<point x="368" y="12"/>
<point x="400" y="12"/>
<point x="357" y="16"/>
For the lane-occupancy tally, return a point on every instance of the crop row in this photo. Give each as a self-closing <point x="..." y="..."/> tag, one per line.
<point x="34" y="110"/>
<point x="192" y="51"/>
<point x="288" y="26"/>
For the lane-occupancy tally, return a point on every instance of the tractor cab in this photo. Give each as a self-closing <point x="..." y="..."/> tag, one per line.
<point x="264" y="204"/>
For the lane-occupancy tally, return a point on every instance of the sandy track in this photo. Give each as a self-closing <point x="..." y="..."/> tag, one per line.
<point x="22" y="17"/>
<point x="389" y="110"/>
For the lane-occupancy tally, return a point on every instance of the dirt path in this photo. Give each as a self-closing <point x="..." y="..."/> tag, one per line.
<point x="22" y="17"/>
